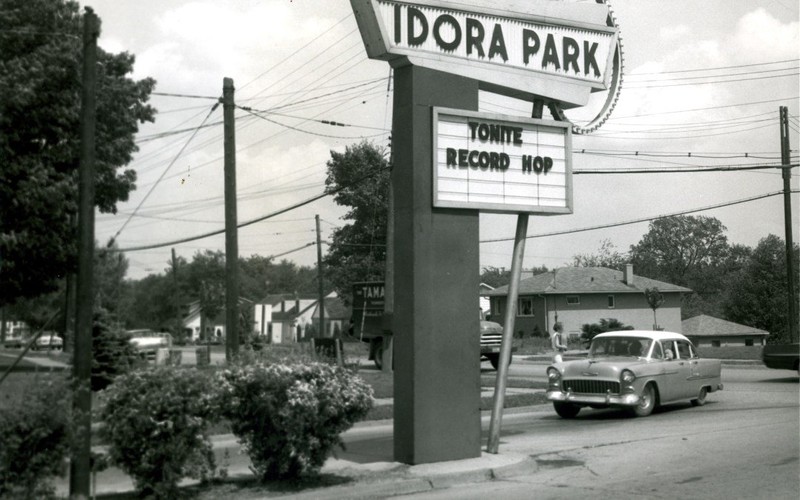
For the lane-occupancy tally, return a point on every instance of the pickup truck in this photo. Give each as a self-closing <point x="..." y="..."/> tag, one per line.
<point x="782" y="356"/>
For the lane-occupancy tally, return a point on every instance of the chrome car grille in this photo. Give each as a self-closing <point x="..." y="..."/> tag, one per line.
<point x="491" y="339"/>
<point x="591" y="386"/>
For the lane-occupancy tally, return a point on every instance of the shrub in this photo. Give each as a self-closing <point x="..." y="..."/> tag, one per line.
<point x="34" y="440"/>
<point x="288" y="417"/>
<point x="112" y="352"/>
<point x="590" y="330"/>
<point x="156" y="424"/>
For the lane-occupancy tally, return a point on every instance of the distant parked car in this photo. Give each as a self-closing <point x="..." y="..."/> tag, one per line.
<point x="635" y="370"/>
<point x="13" y="341"/>
<point x="782" y="356"/>
<point x="491" y="340"/>
<point x="48" y="341"/>
<point x="147" y="342"/>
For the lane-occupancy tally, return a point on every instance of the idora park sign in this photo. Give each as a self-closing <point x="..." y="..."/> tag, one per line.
<point x="521" y="48"/>
<point x="451" y="162"/>
<point x="501" y="164"/>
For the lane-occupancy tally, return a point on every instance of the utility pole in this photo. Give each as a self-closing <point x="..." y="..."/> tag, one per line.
<point x="321" y="288"/>
<point x="178" y="318"/>
<point x="231" y="235"/>
<point x="787" y="216"/>
<point x="80" y="464"/>
<point x="495" y="423"/>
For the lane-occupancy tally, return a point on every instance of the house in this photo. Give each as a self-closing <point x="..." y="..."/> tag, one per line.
<point x="215" y="327"/>
<point x="291" y="318"/>
<point x="485" y="305"/>
<point x="706" y="330"/>
<point x="282" y="318"/>
<point x="574" y="296"/>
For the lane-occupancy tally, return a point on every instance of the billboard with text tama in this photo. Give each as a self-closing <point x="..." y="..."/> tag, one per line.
<point x="503" y="164"/>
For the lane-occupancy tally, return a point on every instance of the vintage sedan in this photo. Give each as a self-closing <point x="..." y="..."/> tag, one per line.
<point x="635" y="370"/>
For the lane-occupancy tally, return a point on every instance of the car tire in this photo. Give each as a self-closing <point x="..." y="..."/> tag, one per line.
<point x="494" y="359"/>
<point x="566" y="410"/>
<point x="647" y="402"/>
<point x="379" y="356"/>
<point x="701" y="397"/>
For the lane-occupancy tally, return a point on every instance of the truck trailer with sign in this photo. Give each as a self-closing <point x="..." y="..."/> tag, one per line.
<point x="368" y="323"/>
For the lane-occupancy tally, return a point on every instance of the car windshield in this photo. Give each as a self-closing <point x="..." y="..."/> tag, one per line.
<point x="605" y="347"/>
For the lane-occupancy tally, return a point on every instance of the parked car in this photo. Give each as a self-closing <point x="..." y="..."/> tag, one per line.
<point x="491" y="340"/>
<point x="147" y="342"/>
<point x="782" y="356"/>
<point x="635" y="370"/>
<point x="13" y="341"/>
<point x="48" y="341"/>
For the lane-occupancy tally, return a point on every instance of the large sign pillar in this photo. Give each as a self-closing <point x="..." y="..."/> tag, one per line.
<point x="436" y="320"/>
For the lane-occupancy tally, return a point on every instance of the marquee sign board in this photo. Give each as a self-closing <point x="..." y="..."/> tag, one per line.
<point x="521" y="48"/>
<point x="503" y="164"/>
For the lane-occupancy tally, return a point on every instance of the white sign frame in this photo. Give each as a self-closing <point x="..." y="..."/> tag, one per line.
<point x="503" y="190"/>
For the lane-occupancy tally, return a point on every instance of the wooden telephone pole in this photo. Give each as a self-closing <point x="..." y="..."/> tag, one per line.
<point x="80" y="464"/>
<point x="787" y="215"/>
<point x="231" y="231"/>
<point x="321" y="284"/>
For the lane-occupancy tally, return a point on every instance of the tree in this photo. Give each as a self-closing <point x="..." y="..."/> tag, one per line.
<point x="606" y="256"/>
<point x="758" y="295"/>
<point x="687" y="251"/>
<point x="40" y="81"/>
<point x="654" y="299"/>
<point x="359" y="177"/>
<point x="590" y="330"/>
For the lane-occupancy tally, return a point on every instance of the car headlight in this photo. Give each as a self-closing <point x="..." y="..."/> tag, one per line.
<point x="627" y="377"/>
<point x="553" y="375"/>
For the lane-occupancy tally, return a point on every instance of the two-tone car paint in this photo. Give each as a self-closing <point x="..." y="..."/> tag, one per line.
<point x="638" y="370"/>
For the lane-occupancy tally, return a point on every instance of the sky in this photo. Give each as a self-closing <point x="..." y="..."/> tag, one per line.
<point x="705" y="78"/>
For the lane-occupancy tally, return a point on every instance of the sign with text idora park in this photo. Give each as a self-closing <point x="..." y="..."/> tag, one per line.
<point x="497" y="163"/>
<point x="562" y="51"/>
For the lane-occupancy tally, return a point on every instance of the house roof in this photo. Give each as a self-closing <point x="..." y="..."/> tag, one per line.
<point x="709" y="326"/>
<point x="586" y="280"/>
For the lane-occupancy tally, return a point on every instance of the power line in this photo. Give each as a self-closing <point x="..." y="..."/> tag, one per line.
<point x="712" y="82"/>
<point x="259" y="219"/>
<point x="721" y="168"/>
<point x="718" y="68"/>
<point x="189" y="96"/>
<point x="691" y="110"/>
<point x="214" y="107"/>
<point x="659" y="80"/>
<point x="643" y="219"/>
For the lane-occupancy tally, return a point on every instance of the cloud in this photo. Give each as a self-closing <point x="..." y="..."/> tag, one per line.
<point x="760" y="37"/>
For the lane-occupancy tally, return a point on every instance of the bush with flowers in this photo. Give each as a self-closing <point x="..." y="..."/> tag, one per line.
<point x="288" y="416"/>
<point x="34" y="439"/>
<point x="156" y="424"/>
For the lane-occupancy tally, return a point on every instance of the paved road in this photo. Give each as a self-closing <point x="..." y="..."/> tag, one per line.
<point x="745" y="443"/>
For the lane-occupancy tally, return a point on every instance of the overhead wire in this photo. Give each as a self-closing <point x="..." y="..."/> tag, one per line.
<point x="642" y="219"/>
<point x="146" y="196"/>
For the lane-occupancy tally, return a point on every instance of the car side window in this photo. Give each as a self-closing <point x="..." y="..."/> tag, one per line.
<point x="684" y="350"/>
<point x="669" y="349"/>
<point x="658" y="353"/>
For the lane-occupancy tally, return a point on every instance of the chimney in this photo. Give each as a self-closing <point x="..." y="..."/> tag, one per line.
<point x="629" y="274"/>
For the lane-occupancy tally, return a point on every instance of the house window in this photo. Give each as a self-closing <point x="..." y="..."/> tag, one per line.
<point x="715" y="343"/>
<point x="611" y="303"/>
<point x="525" y="306"/>
<point x="748" y="342"/>
<point x="573" y="300"/>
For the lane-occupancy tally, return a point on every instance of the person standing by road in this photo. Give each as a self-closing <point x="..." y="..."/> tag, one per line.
<point x="558" y="342"/>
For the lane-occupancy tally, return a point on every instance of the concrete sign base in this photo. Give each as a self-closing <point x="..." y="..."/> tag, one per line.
<point x="436" y="277"/>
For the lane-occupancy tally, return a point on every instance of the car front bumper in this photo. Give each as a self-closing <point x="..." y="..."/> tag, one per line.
<point x="594" y="399"/>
